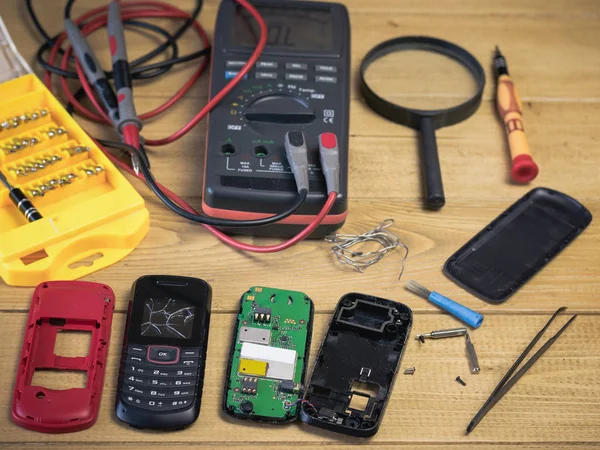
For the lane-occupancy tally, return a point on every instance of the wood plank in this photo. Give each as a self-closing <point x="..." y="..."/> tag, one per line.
<point x="187" y="249"/>
<point x="532" y="37"/>
<point x="305" y="446"/>
<point x="558" y="401"/>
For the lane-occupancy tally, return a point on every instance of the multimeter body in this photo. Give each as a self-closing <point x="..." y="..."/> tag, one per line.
<point x="164" y="353"/>
<point x="301" y="82"/>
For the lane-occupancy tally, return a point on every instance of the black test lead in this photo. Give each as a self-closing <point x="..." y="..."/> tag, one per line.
<point x="23" y="204"/>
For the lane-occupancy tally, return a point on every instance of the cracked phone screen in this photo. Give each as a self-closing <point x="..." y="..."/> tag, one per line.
<point x="167" y="317"/>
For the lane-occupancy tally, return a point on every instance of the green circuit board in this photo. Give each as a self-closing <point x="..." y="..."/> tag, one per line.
<point x="269" y="319"/>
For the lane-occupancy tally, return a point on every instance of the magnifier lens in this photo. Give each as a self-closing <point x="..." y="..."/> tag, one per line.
<point x="421" y="79"/>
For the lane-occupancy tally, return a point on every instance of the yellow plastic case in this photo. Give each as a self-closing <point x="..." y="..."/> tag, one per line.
<point x="90" y="211"/>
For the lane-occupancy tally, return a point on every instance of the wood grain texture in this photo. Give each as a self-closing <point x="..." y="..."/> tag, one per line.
<point x="552" y="51"/>
<point x="560" y="392"/>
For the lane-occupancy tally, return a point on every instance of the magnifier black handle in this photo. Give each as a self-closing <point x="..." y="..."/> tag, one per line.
<point x="432" y="174"/>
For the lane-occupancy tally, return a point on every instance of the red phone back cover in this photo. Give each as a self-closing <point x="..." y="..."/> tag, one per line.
<point x="63" y="305"/>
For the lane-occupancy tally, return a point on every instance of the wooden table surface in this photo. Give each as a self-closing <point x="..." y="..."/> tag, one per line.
<point x="552" y="49"/>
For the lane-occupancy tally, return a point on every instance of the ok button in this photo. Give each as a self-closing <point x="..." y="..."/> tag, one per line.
<point x="163" y="355"/>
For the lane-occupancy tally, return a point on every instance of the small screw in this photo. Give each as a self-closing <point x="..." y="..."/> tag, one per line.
<point x="410" y="371"/>
<point x="459" y="379"/>
<point x="421" y="338"/>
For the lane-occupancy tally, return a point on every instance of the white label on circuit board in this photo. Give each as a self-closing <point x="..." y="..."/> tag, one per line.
<point x="281" y="362"/>
<point x="260" y="336"/>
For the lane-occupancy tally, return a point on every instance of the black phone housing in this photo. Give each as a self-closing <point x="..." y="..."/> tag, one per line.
<point x="149" y="379"/>
<point x="517" y="244"/>
<point x="357" y="364"/>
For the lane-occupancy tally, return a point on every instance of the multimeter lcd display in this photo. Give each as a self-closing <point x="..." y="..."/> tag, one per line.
<point x="289" y="28"/>
<point x="168" y="318"/>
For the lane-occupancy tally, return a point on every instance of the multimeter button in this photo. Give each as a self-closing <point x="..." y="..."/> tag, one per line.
<point x="295" y="76"/>
<point x="265" y="76"/>
<point x="325" y="79"/>
<point x="234" y="64"/>
<point x="328" y="69"/>
<point x="296" y="66"/>
<point x="190" y="352"/>
<point x="229" y="74"/>
<point x="137" y="350"/>
<point x="266" y="65"/>
<point x="165" y="355"/>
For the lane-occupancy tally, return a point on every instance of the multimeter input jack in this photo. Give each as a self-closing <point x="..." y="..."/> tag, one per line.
<point x="261" y="152"/>
<point x="228" y="150"/>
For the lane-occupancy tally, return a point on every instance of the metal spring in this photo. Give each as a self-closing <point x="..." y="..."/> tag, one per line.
<point x="343" y="243"/>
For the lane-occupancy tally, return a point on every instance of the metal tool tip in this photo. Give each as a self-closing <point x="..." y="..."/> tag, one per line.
<point x="4" y="181"/>
<point x="497" y="52"/>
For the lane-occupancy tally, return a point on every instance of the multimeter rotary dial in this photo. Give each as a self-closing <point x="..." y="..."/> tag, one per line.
<point x="265" y="110"/>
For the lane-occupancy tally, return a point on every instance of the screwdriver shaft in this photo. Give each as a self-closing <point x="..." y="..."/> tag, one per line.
<point x="473" y="361"/>
<point x="440" y="334"/>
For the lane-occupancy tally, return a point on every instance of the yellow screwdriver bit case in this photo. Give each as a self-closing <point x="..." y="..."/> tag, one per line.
<point x="90" y="211"/>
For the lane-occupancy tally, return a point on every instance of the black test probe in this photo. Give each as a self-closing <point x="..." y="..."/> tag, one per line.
<point x="23" y="204"/>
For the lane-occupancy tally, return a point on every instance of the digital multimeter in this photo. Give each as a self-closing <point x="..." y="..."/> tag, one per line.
<point x="301" y="82"/>
<point x="164" y="353"/>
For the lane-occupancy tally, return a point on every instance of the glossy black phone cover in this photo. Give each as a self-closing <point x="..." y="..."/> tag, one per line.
<point x="517" y="244"/>
<point x="357" y="364"/>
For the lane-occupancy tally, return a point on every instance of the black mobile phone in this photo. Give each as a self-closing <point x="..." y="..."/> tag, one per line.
<point x="356" y="367"/>
<point x="164" y="352"/>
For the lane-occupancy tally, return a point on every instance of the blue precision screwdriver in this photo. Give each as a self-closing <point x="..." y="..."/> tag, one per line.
<point x="466" y="315"/>
<point x="93" y="71"/>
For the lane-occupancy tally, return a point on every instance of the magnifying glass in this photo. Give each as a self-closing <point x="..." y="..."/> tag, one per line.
<point x="423" y="83"/>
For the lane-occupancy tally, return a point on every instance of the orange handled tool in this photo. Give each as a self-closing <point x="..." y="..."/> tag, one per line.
<point x="524" y="169"/>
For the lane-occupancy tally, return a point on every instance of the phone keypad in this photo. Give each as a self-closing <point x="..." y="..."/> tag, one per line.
<point x="160" y="378"/>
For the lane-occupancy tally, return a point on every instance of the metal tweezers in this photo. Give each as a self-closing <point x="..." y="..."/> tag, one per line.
<point x="507" y="382"/>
